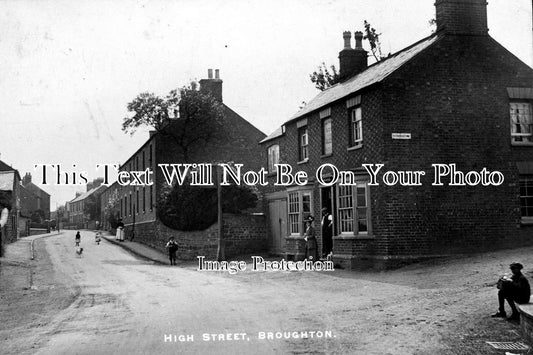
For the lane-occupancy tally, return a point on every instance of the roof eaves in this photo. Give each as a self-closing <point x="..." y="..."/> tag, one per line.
<point x="379" y="77"/>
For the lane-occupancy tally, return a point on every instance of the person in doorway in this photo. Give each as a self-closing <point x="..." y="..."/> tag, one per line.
<point x="5" y="206"/>
<point x="172" y="247"/>
<point x="78" y="239"/>
<point x="327" y="232"/>
<point x="513" y="289"/>
<point x="311" y="245"/>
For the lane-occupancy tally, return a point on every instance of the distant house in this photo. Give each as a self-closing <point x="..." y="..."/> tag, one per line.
<point x="137" y="205"/>
<point x="456" y="96"/>
<point x="77" y="214"/>
<point x="34" y="199"/>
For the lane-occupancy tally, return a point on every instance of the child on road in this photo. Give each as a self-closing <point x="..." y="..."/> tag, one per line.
<point x="172" y="247"/>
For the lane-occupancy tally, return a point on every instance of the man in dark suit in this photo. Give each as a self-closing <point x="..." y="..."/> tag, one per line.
<point x="513" y="289"/>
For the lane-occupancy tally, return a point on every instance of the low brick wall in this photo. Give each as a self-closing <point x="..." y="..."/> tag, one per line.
<point x="243" y="234"/>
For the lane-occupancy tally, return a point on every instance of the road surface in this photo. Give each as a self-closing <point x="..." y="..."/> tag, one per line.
<point x="111" y="302"/>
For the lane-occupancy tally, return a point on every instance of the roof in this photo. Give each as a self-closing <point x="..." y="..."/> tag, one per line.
<point x="36" y="190"/>
<point x="86" y="194"/>
<point x="6" y="180"/>
<point x="373" y="74"/>
<point x="277" y="133"/>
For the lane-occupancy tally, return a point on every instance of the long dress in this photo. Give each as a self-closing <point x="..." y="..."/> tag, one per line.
<point x="311" y="246"/>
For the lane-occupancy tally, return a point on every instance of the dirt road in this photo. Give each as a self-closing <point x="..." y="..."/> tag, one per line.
<point x="110" y="302"/>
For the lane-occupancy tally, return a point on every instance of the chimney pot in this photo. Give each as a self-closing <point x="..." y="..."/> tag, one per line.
<point x="210" y="73"/>
<point x="358" y="36"/>
<point x="347" y="36"/>
<point x="217" y="74"/>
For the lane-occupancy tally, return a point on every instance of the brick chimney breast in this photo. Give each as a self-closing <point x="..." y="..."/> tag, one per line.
<point x="352" y="61"/>
<point x="462" y="17"/>
<point x="212" y="85"/>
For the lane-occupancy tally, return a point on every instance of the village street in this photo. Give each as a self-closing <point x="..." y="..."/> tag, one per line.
<point x="111" y="302"/>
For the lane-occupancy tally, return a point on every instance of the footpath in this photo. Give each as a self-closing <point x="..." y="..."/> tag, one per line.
<point x="141" y="250"/>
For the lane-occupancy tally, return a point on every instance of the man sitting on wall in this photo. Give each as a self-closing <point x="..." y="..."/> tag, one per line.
<point x="513" y="289"/>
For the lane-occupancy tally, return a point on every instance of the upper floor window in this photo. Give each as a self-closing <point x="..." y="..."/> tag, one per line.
<point x="521" y="123"/>
<point x="327" y="140"/>
<point x="273" y="157"/>
<point x="303" y="143"/>
<point x="356" y="127"/>
<point x="355" y="124"/>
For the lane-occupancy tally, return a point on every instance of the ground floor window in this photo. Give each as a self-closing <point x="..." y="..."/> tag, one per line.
<point x="300" y="207"/>
<point x="526" y="196"/>
<point x="353" y="209"/>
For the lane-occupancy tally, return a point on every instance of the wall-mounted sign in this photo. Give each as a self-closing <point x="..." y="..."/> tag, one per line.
<point x="401" y="136"/>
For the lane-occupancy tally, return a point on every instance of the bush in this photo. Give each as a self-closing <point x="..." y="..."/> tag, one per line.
<point x="188" y="208"/>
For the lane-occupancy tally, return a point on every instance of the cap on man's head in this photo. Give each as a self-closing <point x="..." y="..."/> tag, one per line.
<point x="516" y="266"/>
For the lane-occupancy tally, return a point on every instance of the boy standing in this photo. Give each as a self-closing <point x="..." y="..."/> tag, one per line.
<point x="172" y="249"/>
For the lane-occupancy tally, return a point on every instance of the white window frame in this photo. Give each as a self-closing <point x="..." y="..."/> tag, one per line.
<point x="356" y="126"/>
<point x="296" y="212"/>
<point x="521" y="123"/>
<point x="349" y="210"/>
<point x="273" y="157"/>
<point x="528" y="181"/>
<point x="303" y="144"/>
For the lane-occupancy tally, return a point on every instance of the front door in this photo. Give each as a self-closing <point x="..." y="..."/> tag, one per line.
<point x="277" y="212"/>
<point x="327" y="225"/>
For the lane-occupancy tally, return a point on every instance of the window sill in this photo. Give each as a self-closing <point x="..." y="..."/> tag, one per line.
<point x="522" y="144"/>
<point x="352" y="236"/>
<point x="303" y="161"/>
<point x="326" y="155"/>
<point x="355" y="147"/>
<point x="526" y="221"/>
<point x="294" y="236"/>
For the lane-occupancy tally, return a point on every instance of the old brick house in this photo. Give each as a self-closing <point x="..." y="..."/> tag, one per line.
<point x="458" y="97"/>
<point x="34" y="199"/>
<point x="78" y="216"/>
<point x="137" y="205"/>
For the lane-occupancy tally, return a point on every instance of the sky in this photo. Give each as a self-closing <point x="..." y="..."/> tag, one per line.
<point x="69" y="68"/>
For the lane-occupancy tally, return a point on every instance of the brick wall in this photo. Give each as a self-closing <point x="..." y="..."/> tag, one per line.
<point x="243" y="234"/>
<point x="452" y="99"/>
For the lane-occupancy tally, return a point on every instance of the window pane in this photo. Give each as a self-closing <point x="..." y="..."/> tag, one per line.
<point x="521" y="122"/>
<point x="302" y="143"/>
<point x="306" y="202"/>
<point x="273" y="157"/>
<point x="294" y="213"/>
<point x="345" y="209"/>
<point x="526" y="195"/>
<point x="356" y="130"/>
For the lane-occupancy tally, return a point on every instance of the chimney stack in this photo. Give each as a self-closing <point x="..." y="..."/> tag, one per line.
<point x="462" y="17"/>
<point x="212" y="85"/>
<point x="352" y="60"/>
<point x="347" y="36"/>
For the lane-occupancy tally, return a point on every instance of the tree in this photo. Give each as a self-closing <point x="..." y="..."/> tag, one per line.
<point x="373" y="39"/>
<point x="185" y="207"/>
<point x="187" y="116"/>
<point x="325" y="78"/>
<point x="37" y="216"/>
<point x="90" y="207"/>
